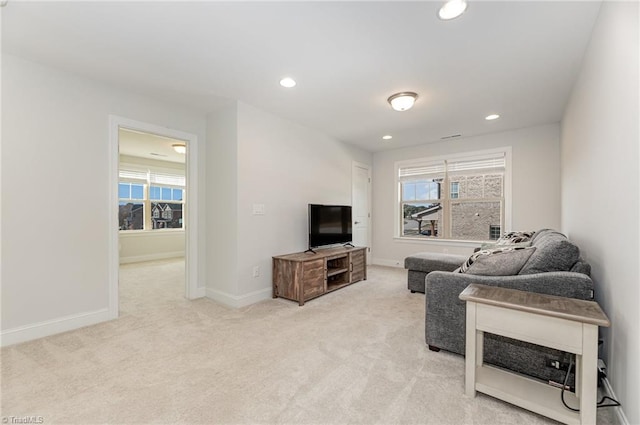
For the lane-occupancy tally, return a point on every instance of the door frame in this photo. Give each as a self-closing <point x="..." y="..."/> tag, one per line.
<point x="191" y="232"/>
<point x="368" y="167"/>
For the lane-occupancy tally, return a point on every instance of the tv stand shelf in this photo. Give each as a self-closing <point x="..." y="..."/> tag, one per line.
<point x="333" y="272"/>
<point x="305" y="275"/>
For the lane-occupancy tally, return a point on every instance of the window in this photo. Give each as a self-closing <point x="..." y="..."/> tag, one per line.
<point x="453" y="197"/>
<point x="131" y="206"/>
<point x="455" y="190"/>
<point x="150" y="200"/>
<point x="166" y="215"/>
<point x="494" y="232"/>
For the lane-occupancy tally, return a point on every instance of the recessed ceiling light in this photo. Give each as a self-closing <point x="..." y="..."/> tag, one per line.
<point x="387" y="137"/>
<point x="452" y="9"/>
<point x="492" y="117"/>
<point x="287" y="82"/>
<point x="402" y="101"/>
<point x="180" y="148"/>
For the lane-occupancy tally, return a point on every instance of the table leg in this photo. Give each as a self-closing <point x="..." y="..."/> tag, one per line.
<point x="479" y="348"/>
<point x="578" y="371"/>
<point x="588" y="374"/>
<point x="470" y="350"/>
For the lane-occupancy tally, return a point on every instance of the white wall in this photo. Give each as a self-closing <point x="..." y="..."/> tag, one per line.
<point x="600" y="187"/>
<point x="136" y="246"/>
<point x="222" y="200"/>
<point x="55" y="143"/>
<point x="535" y="187"/>
<point x="282" y="165"/>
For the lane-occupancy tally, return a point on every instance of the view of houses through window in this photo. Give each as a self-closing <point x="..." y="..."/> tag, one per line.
<point x="453" y="198"/>
<point x="131" y="210"/>
<point x="146" y="205"/>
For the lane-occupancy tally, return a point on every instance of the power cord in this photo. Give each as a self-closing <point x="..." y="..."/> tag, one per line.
<point x="600" y="403"/>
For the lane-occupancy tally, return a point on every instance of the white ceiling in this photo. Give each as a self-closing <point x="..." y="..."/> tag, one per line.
<point x="518" y="59"/>
<point x="146" y="145"/>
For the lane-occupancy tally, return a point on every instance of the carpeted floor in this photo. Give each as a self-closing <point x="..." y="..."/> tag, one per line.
<point x="356" y="355"/>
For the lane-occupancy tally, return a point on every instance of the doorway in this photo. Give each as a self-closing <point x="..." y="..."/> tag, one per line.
<point x="160" y="203"/>
<point x="361" y="205"/>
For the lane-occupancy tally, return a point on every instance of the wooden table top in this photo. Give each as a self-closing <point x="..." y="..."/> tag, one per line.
<point x="547" y="305"/>
<point x="320" y="253"/>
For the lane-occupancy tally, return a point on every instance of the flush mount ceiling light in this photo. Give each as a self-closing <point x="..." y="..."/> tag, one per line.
<point x="452" y="9"/>
<point x="492" y="117"/>
<point x="180" y="148"/>
<point x="387" y="137"/>
<point x="402" y="101"/>
<point x="287" y="82"/>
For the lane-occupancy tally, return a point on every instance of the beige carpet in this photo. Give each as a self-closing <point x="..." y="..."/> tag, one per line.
<point x="354" y="356"/>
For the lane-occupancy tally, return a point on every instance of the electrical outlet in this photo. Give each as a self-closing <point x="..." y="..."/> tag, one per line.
<point x="256" y="271"/>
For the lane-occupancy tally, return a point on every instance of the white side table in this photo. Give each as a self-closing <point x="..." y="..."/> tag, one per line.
<point x="566" y="324"/>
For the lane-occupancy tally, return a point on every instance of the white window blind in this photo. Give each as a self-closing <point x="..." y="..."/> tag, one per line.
<point x="490" y="164"/>
<point x="432" y="170"/>
<point x="167" y="179"/>
<point x="133" y="176"/>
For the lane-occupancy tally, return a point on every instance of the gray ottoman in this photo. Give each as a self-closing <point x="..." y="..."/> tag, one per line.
<point x="423" y="263"/>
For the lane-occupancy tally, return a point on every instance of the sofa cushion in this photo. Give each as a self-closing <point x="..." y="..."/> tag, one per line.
<point x="581" y="266"/>
<point x="540" y="233"/>
<point x="430" y="261"/>
<point x="554" y="253"/>
<point x="497" y="262"/>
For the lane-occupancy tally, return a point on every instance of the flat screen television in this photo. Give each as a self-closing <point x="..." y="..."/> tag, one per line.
<point x="329" y="225"/>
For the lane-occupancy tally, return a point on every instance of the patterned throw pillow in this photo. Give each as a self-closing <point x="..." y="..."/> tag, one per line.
<point x="507" y="261"/>
<point x="463" y="268"/>
<point x="514" y="237"/>
<point x="494" y="245"/>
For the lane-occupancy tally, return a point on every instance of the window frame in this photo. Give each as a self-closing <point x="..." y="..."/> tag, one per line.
<point x="446" y="195"/>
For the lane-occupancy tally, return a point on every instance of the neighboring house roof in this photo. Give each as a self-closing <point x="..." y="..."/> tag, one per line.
<point x="162" y="207"/>
<point x="427" y="213"/>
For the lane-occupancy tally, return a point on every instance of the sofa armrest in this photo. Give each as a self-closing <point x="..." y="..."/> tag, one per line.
<point x="445" y="312"/>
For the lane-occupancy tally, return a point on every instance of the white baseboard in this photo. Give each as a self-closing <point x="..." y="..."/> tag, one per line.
<point x="238" y="301"/>
<point x="200" y="292"/>
<point x="622" y="418"/>
<point x="151" y="257"/>
<point x="55" y="326"/>
<point x="387" y="262"/>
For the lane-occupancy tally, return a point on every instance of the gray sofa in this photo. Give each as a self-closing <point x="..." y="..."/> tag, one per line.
<point x="421" y="264"/>
<point x="554" y="267"/>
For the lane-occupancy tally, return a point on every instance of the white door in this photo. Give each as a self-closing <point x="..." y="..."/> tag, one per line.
<point x="360" y="196"/>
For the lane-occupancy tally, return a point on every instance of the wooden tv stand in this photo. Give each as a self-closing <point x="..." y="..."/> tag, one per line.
<point x="306" y="275"/>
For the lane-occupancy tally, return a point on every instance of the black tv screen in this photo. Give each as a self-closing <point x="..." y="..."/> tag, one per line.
<point x="329" y="225"/>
